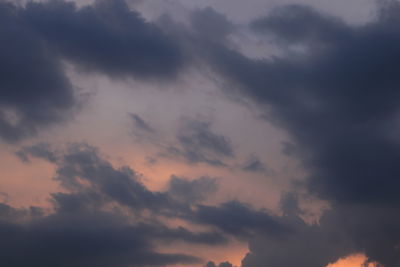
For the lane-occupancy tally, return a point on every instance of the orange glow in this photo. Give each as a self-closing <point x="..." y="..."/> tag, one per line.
<point x="26" y="184"/>
<point x="357" y="260"/>
<point x="233" y="252"/>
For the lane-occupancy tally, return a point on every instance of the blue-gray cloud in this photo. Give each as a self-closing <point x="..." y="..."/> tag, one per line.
<point x="337" y="98"/>
<point x="106" y="37"/>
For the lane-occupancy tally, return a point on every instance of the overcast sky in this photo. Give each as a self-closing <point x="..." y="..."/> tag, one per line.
<point x="212" y="133"/>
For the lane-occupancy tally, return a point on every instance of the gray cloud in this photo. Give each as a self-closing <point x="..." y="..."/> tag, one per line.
<point x="89" y="224"/>
<point x="192" y="191"/>
<point x="80" y="239"/>
<point x="31" y="97"/>
<point x="141" y="124"/>
<point x="106" y="36"/>
<point x="222" y="264"/>
<point x="211" y="25"/>
<point x="254" y="164"/>
<point x="338" y="100"/>
<point x="40" y="150"/>
<point x="197" y="143"/>
<point x="298" y="24"/>
<point x="239" y="219"/>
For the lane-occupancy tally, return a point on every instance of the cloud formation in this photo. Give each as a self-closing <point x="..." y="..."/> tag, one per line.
<point x="333" y="87"/>
<point x="31" y="97"/>
<point x="198" y="143"/>
<point x="337" y="98"/>
<point x="106" y="37"/>
<point x="105" y="210"/>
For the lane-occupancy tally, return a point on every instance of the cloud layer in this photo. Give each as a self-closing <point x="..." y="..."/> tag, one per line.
<point x="331" y="86"/>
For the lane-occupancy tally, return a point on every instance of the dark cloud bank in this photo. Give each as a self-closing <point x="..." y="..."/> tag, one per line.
<point x="106" y="37"/>
<point x="338" y="98"/>
<point x="104" y="217"/>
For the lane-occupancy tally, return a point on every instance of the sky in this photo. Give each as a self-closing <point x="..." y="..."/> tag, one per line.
<point x="213" y="133"/>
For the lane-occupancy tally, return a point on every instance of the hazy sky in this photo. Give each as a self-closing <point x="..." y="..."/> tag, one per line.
<point x="199" y="133"/>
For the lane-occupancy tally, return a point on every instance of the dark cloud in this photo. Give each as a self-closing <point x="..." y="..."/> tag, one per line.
<point x="299" y="24"/>
<point x="254" y="164"/>
<point x="40" y="150"/>
<point x="338" y="98"/>
<point x="83" y="239"/>
<point x="196" y="142"/>
<point x="211" y="25"/>
<point x="222" y="264"/>
<point x="199" y="144"/>
<point x="97" y="220"/>
<point x="106" y="36"/>
<point x="225" y="264"/>
<point x="239" y="219"/>
<point x="338" y="104"/>
<point x="305" y="245"/>
<point x="197" y="135"/>
<point x="88" y="176"/>
<point x="31" y="97"/>
<point x="141" y="124"/>
<point x="192" y="191"/>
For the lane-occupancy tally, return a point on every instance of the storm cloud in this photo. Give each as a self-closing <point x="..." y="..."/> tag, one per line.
<point x="31" y="97"/>
<point x="106" y="37"/>
<point x="331" y="86"/>
<point x="338" y="99"/>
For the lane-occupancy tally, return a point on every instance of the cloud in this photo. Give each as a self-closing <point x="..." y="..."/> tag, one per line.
<point x="107" y="209"/>
<point x="141" y="124"/>
<point x="31" y="97"/>
<point x="239" y="219"/>
<point x="198" y="135"/>
<point x="85" y="173"/>
<point x="253" y="164"/>
<point x="39" y="150"/>
<point x="98" y="219"/>
<point x="337" y="98"/>
<point x="106" y="36"/>
<point x="296" y="24"/>
<point x="334" y="88"/>
<point x="211" y="25"/>
<point x="80" y="239"/>
<point x="222" y="264"/>
<point x="197" y="143"/>
<point x="192" y="191"/>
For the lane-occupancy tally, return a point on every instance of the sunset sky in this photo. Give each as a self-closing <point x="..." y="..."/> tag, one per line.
<point x="204" y="133"/>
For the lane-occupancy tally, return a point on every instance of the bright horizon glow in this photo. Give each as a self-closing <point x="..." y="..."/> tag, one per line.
<point x="356" y="260"/>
